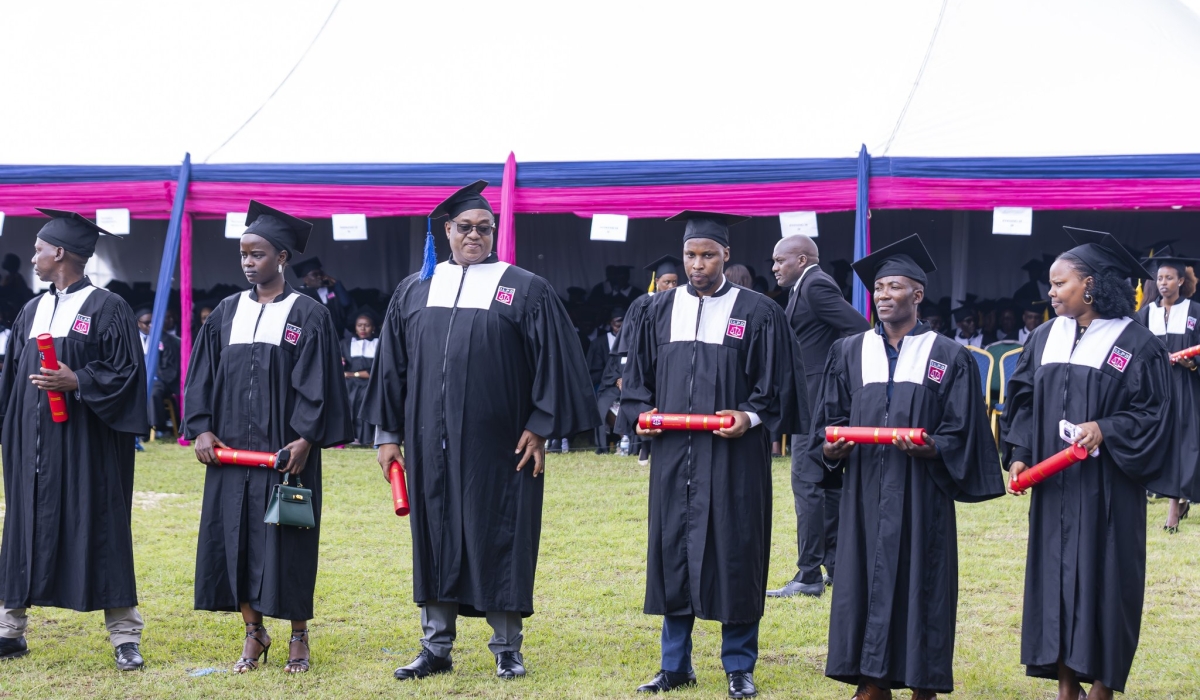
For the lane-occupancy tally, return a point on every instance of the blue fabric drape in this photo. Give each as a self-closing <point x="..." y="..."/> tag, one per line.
<point x="1067" y="167"/>
<point x="37" y="174"/>
<point x="166" y="272"/>
<point x="862" y="244"/>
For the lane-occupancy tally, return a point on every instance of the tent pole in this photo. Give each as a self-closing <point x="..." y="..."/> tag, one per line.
<point x="862" y="229"/>
<point x="506" y="246"/>
<point x="185" y="306"/>
<point x="166" y="272"/>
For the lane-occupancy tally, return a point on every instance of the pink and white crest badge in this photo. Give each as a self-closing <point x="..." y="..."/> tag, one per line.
<point x="291" y="334"/>
<point x="505" y="295"/>
<point x="83" y="324"/>
<point x="1119" y="359"/>
<point x="736" y="329"/>
<point x="1191" y="323"/>
<point x="937" y="371"/>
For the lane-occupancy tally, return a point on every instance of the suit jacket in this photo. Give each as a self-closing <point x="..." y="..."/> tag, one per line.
<point x="819" y="315"/>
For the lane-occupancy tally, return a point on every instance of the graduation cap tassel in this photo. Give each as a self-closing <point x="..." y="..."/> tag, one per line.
<point x="430" y="260"/>
<point x="653" y="280"/>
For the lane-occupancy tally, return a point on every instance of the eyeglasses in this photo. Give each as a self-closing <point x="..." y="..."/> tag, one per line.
<point x="483" y="229"/>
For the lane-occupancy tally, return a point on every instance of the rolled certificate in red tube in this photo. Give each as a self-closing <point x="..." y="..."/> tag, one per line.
<point x="683" y="421"/>
<point x="399" y="488"/>
<point x="1048" y="467"/>
<point x="873" y="436"/>
<point x="58" y="402"/>
<point x="245" y="458"/>
<point x="1185" y="354"/>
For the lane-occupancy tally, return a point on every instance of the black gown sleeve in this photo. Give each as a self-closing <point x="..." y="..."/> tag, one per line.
<point x="387" y="389"/>
<point x="778" y="393"/>
<point x="964" y="440"/>
<point x="114" y="386"/>
<point x="199" y="396"/>
<point x="1135" y="436"/>
<point x="563" y="400"/>
<point x="321" y="411"/>
<point x="832" y="408"/>
<point x="1019" y="433"/>
<point x="638" y="382"/>
<point x="17" y="337"/>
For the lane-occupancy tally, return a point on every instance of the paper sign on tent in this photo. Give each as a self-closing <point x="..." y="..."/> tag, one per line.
<point x="349" y="227"/>
<point x="609" y="227"/>
<point x="1" y="223"/>
<point x="235" y="224"/>
<point x="1012" y="221"/>
<point x="113" y="220"/>
<point x="792" y="223"/>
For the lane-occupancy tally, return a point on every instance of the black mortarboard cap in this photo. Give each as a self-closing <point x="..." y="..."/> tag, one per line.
<point x="618" y="312"/>
<point x="707" y="224"/>
<point x="1101" y="251"/>
<point x="965" y="308"/>
<point x="304" y="267"/>
<point x="465" y="199"/>
<point x="283" y="231"/>
<point x="72" y="232"/>
<point x="369" y="313"/>
<point x="1039" y="264"/>
<point x="1037" y="306"/>
<point x="1179" y="262"/>
<point x="666" y="265"/>
<point x="142" y="311"/>
<point x="907" y="257"/>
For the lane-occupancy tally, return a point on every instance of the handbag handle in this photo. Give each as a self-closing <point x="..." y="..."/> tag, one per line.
<point x="287" y="475"/>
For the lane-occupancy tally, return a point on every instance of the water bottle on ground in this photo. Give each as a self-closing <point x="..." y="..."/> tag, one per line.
<point x="624" y="450"/>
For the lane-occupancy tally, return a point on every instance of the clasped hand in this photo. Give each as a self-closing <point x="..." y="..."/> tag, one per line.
<point x="61" y="379"/>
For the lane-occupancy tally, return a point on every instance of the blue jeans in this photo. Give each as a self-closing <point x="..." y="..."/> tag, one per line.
<point x="739" y="645"/>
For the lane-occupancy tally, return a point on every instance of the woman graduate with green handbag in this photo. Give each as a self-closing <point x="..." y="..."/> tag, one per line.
<point x="265" y="375"/>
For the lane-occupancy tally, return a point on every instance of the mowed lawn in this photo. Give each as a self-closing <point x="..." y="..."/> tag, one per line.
<point x="589" y="637"/>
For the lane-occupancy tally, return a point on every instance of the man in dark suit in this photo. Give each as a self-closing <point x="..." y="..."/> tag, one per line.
<point x="819" y="315"/>
<point x="330" y="292"/>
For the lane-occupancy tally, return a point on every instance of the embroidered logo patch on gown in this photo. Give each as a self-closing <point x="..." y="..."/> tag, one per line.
<point x="291" y="334"/>
<point x="736" y="329"/>
<point x="1119" y="359"/>
<point x="937" y="371"/>
<point x="504" y="295"/>
<point x="82" y="324"/>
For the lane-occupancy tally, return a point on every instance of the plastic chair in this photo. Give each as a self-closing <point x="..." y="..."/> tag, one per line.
<point x="986" y="366"/>
<point x="1008" y="365"/>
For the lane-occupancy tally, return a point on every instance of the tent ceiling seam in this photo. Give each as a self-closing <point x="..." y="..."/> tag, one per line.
<point x="917" y="82"/>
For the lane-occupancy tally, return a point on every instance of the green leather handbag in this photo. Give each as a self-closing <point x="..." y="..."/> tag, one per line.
<point x="290" y="505"/>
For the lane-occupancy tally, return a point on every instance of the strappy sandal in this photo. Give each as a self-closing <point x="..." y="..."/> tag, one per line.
<point x="297" y="665"/>
<point x="1184" y="507"/>
<point x="247" y="664"/>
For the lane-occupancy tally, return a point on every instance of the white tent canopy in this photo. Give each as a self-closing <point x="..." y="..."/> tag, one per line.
<point x="141" y="82"/>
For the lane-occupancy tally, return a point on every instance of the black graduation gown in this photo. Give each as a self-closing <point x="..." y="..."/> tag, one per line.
<point x="597" y="357"/>
<point x="1086" y="563"/>
<point x="68" y="486"/>
<point x="467" y="361"/>
<point x="356" y="388"/>
<point x="262" y="376"/>
<point x="895" y="592"/>
<point x="710" y="497"/>
<point x="1178" y="333"/>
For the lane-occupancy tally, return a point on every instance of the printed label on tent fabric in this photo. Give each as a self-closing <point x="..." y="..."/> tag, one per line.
<point x="937" y="371"/>
<point x="291" y="334"/>
<point x="1119" y="359"/>
<point x="82" y="324"/>
<point x="736" y="329"/>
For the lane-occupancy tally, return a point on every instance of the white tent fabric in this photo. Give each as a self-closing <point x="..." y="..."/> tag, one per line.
<point x="141" y="82"/>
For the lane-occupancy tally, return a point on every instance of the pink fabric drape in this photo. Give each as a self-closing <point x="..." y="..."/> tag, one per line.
<point x="936" y="193"/>
<point x="506" y="243"/>
<point x="144" y="200"/>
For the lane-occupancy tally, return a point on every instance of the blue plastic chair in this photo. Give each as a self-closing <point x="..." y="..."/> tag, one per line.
<point x="986" y="364"/>
<point x="1008" y="365"/>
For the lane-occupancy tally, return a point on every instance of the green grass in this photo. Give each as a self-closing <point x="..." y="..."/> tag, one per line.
<point x="589" y="637"/>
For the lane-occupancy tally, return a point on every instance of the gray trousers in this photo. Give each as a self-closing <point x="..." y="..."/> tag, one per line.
<point x="439" y="622"/>
<point x="123" y="624"/>
<point x="816" y="523"/>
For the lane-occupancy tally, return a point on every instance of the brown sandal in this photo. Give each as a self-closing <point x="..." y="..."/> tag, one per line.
<point x="246" y="664"/>
<point x="297" y="665"/>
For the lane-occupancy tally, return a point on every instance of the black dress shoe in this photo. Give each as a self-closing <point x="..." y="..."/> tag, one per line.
<point x="510" y="665"/>
<point x="129" y="658"/>
<point x="794" y="587"/>
<point x="741" y="684"/>
<point x="426" y="664"/>
<point x="665" y="681"/>
<point x="13" y="648"/>
<point x="827" y="579"/>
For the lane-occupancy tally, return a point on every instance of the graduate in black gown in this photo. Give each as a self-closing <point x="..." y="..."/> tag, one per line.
<point x="895" y="588"/>
<point x="711" y="347"/>
<point x="266" y="374"/>
<point x="1173" y="320"/>
<point x="478" y="364"/>
<point x="68" y="487"/>
<point x="1097" y="368"/>
<point x="357" y="355"/>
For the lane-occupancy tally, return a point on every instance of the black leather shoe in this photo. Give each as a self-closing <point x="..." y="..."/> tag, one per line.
<point x="13" y="648"/>
<point x="665" y="681"/>
<point x="426" y="664"/>
<point x="741" y="684"/>
<point x="827" y="579"/>
<point x="794" y="587"/>
<point x="510" y="665"/>
<point x="129" y="658"/>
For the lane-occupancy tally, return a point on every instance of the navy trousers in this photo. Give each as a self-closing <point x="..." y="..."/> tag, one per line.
<point x="739" y="645"/>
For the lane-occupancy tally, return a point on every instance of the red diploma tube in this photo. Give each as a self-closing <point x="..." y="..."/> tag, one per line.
<point x="873" y="436"/>
<point x="683" y="421"/>
<point x="245" y="458"/>
<point x="399" y="488"/>
<point x="58" y="402"/>
<point x="1048" y="467"/>
<point x="1185" y="354"/>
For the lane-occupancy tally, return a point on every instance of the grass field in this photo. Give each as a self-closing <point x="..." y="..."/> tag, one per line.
<point x="588" y="638"/>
